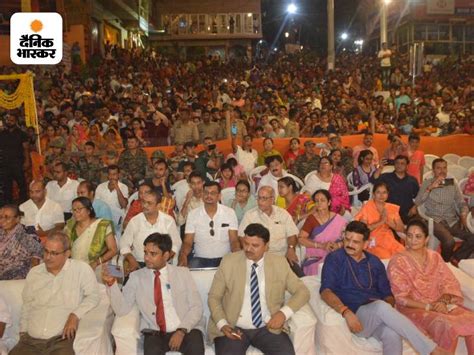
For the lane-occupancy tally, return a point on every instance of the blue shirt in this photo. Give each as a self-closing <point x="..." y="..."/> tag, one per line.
<point x="102" y="210"/>
<point x="350" y="280"/>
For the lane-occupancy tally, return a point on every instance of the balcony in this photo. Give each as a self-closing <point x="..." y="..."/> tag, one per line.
<point x="209" y="26"/>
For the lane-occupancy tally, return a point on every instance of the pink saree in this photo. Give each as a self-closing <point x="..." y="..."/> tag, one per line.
<point x="328" y="232"/>
<point x="426" y="284"/>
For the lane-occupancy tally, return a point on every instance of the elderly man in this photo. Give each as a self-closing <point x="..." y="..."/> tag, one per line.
<point x="283" y="231"/>
<point x="151" y="220"/>
<point x="212" y="228"/>
<point x="40" y="212"/>
<point x="56" y="295"/>
<point x="274" y="164"/>
<point x="442" y="200"/>
<point x="307" y="162"/>
<point x="62" y="189"/>
<point x="247" y="298"/>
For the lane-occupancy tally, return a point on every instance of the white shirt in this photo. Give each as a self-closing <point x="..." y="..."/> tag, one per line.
<point x="279" y="223"/>
<point x="385" y="62"/>
<point x="63" y="195"/>
<point x="198" y="223"/>
<point x="138" y="229"/>
<point x="140" y="290"/>
<point x="247" y="159"/>
<point x="314" y="183"/>
<point x="49" y="299"/>
<point x="45" y="217"/>
<point x="245" y="318"/>
<point x="103" y="193"/>
<point x="270" y="180"/>
<point x="8" y="341"/>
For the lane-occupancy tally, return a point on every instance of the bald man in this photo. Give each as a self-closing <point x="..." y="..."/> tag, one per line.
<point x="40" y="212"/>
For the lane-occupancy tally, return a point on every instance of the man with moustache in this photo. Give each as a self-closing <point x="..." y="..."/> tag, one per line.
<point x="248" y="307"/>
<point x="354" y="283"/>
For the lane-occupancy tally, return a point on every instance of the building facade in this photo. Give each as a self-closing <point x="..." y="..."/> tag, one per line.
<point x="191" y="28"/>
<point x="444" y="26"/>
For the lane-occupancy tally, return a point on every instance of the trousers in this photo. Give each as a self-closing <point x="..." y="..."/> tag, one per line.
<point x="383" y="322"/>
<point x="446" y="235"/>
<point x="53" y="346"/>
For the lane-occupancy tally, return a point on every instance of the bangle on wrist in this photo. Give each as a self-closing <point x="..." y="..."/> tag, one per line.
<point x="342" y="309"/>
<point x="345" y="311"/>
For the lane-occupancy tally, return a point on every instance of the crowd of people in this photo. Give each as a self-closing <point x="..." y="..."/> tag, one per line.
<point x="101" y="196"/>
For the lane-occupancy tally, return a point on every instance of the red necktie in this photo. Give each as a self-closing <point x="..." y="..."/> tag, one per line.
<point x="160" y="309"/>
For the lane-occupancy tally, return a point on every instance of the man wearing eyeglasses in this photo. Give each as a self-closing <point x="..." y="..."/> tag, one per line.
<point x="213" y="230"/>
<point x="57" y="294"/>
<point x="277" y="220"/>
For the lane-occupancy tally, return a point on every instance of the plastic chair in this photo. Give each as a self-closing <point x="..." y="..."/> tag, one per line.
<point x="457" y="171"/>
<point x="388" y="169"/>
<point x="451" y="158"/>
<point x="308" y="175"/>
<point x="466" y="162"/>
<point x="429" y="159"/>
<point x="433" y="242"/>
<point x="227" y="195"/>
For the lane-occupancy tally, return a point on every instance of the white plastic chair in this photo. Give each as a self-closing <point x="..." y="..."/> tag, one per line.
<point x="433" y="242"/>
<point x="429" y="159"/>
<point x="298" y="181"/>
<point x="253" y="174"/>
<point x="388" y="169"/>
<point x="227" y="195"/>
<point x="466" y="162"/>
<point x="457" y="171"/>
<point x="428" y="175"/>
<point x="308" y="175"/>
<point x="451" y="158"/>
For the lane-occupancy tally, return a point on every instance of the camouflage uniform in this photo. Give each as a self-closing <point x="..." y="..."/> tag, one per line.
<point x="303" y="165"/>
<point x="52" y="158"/>
<point x="133" y="166"/>
<point x="89" y="170"/>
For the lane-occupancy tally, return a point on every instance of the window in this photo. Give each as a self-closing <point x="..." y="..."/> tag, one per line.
<point x="420" y="32"/>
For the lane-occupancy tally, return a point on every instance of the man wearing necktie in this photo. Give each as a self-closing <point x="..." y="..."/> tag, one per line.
<point x="247" y="298"/>
<point x="167" y="298"/>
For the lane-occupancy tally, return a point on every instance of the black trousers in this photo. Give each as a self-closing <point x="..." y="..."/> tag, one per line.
<point x="446" y="235"/>
<point x="157" y="343"/>
<point x="265" y="341"/>
<point x="14" y="173"/>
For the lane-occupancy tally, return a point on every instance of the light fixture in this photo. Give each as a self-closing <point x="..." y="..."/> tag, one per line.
<point x="249" y="14"/>
<point x="287" y="35"/>
<point x="344" y="36"/>
<point x="291" y="8"/>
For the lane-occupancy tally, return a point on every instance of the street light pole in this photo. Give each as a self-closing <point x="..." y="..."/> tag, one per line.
<point x="331" y="51"/>
<point x="383" y="21"/>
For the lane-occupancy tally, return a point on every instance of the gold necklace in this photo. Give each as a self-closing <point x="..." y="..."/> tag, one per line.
<point x="357" y="280"/>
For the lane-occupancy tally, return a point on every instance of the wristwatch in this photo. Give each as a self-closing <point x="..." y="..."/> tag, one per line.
<point x="184" y="330"/>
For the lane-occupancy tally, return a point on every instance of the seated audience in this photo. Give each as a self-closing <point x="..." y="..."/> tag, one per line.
<point x="167" y="298"/>
<point x="62" y="189"/>
<point x="363" y="172"/>
<point x="133" y="161"/>
<point x="20" y="250"/>
<point x="325" y="179"/>
<point x="211" y="229"/>
<point x="101" y="209"/>
<point x="194" y="197"/>
<point x="403" y="187"/>
<point x="396" y="147"/>
<point x="442" y="201"/>
<point x="56" y="296"/>
<point x="367" y="142"/>
<point x="341" y="165"/>
<point x="92" y="239"/>
<point x="151" y="220"/>
<point x="354" y="283"/>
<point x="227" y="176"/>
<point x="243" y="200"/>
<point x="115" y="194"/>
<point x="292" y="153"/>
<point x="306" y="162"/>
<point x="321" y="233"/>
<point x="135" y="206"/>
<point x="243" y="312"/>
<point x="283" y="231"/>
<point x="274" y="164"/>
<point x="246" y="155"/>
<point x="40" y="212"/>
<point x="428" y="293"/>
<point x="298" y="205"/>
<point x="382" y="219"/>
<point x="268" y="151"/>
<point x="417" y="163"/>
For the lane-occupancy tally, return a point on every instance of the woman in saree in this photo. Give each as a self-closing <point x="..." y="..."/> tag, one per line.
<point x="427" y="292"/>
<point x="268" y="151"/>
<point x="96" y="137"/>
<point x="112" y="140"/>
<point x="383" y="219"/>
<point x="298" y="205"/>
<point x="321" y="232"/>
<point x="92" y="239"/>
